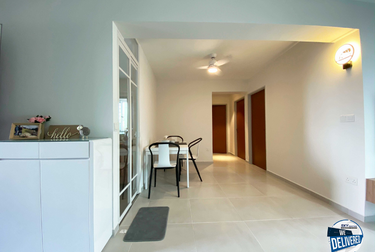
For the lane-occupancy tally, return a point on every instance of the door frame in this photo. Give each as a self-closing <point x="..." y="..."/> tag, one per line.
<point x="227" y="129"/>
<point x="118" y="41"/>
<point x="250" y="145"/>
<point x="235" y="125"/>
<point x="227" y="106"/>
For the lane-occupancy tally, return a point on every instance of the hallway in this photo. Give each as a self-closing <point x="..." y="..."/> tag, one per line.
<point x="237" y="207"/>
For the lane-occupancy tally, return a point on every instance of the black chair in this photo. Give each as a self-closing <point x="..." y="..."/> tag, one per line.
<point x="175" y="136"/>
<point x="192" y="157"/>
<point x="164" y="162"/>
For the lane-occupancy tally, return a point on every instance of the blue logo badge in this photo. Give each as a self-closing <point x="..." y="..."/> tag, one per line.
<point x="345" y="236"/>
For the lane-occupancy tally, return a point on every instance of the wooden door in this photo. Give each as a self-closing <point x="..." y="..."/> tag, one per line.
<point x="240" y="119"/>
<point x="258" y="129"/>
<point x="219" y="128"/>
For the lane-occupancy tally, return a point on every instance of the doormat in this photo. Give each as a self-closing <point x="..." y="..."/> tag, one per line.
<point x="150" y="224"/>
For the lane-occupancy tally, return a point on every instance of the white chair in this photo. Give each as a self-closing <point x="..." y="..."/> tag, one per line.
<point x="164" y="162"/>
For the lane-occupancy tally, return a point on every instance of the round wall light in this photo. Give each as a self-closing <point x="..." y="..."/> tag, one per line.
<point x="344" y="55"/>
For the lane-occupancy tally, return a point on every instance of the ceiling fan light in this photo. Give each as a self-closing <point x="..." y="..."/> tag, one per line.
<point x="212" y="69"/>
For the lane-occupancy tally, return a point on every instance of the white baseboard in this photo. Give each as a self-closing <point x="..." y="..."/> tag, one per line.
<point x="329" y="201"/>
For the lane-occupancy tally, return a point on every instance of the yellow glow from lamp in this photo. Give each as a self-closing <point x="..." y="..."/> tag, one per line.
<point x="212" y="69"/>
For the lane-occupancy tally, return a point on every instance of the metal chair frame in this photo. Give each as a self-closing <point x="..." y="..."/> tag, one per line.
<point x="164" y="167"/>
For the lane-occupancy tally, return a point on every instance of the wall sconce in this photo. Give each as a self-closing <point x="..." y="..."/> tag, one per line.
<point x="344" y="56"/>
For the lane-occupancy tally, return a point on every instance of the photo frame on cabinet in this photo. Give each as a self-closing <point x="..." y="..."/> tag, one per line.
<point x="26" y="131"/>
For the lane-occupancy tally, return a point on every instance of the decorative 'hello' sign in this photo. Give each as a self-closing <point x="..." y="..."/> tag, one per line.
<point x="62" y="132"/>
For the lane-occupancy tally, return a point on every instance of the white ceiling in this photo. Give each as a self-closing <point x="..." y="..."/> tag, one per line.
<point x="177" y="59"/>
<point x="175" y="50"/>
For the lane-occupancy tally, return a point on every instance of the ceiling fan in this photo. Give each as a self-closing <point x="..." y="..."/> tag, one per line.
<point x="213" y="65"/>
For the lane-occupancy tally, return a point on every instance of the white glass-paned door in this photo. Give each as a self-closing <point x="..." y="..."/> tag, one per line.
<point x="125" y="159"/>
<point x="128" y="129"/>
<point x="134" y="95"/>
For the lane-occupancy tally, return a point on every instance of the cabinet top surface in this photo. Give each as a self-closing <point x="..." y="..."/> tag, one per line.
<point x="52" y="140"/>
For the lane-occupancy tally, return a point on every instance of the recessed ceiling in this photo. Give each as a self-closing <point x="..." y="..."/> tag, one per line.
<point x="177" y="59"/>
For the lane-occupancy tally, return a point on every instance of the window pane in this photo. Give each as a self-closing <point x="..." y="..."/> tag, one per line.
<point x="124" y="200"/>
<point x="133" y="46"/>
<point x="134" y="75"/>
<point x="124" y="116"/>
<point x="134" y="102"/>
<point x="134" y="186"/>
<point x="124" y="61"/>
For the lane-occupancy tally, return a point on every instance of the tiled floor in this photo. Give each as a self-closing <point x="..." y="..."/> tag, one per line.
<point x="237" y="207"/>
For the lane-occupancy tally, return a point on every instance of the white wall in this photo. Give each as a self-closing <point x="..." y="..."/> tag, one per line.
<point x="306" y="92"/>
<point x="185" y="108"/>
<point x="147" y="104"/>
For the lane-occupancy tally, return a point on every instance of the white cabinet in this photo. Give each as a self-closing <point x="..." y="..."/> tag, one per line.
<point x="60" y="201"/>
<point x="65" y="205"/>
<point x="20" y="211"/>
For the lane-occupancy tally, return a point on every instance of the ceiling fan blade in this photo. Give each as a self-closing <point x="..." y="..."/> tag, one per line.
<point x="224" y="61"/>
<point x="202" y="67"/>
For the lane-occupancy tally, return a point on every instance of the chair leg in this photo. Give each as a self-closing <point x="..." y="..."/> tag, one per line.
<point x="179" y="171"/>
<point x="196" y="168"/>
<point x="177" y="180"/>
<point x="155" y="178"/>
<point x="149" y="184"/>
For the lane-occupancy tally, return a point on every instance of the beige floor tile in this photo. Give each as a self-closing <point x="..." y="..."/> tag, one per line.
<point x="237" y="207"/>
<point x="240" y="190"/>
<point x="163" y="190"/>
<point x="211" y="210"/>
<point x="275" y="188"/>
<point x="179" y="209"/>
<point x="138" y="203"/>
<point x="228" y="178"/>
<point x="259" y="208"/>
<point x="225" y="236"/>
<point x="285" y="235"/>
<point x="199" y="191"/>
<point x="299" y="207"/>
<point x="116" y="243"/>
<point x="178" y="238"/>
<point x="207" y="179"/>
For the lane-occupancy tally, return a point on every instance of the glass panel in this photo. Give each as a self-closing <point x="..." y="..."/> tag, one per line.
<point x="124" y="200"/>
<point x="133" y="46"/>
<point x="134" y="186"/>
<point x="124" y="116"/>
<point x="134" y="99"/>
<point x="134" y="75"/>
<point x="124" y="61"/>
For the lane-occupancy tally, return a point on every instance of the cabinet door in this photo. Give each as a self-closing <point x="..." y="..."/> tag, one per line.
<point x="20" y="211"/>
<point x="65" y="205"/>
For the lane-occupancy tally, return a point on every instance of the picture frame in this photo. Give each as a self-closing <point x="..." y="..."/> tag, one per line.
<point x="26" y="131"/>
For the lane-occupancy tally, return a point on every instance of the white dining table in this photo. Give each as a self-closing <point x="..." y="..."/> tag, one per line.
<point x="184" y="150"/>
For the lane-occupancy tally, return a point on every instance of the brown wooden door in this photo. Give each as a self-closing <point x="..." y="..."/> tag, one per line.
<point x="219" y="128"/>
<point x="240" y="118"/>
<point x="258" y="129"/>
